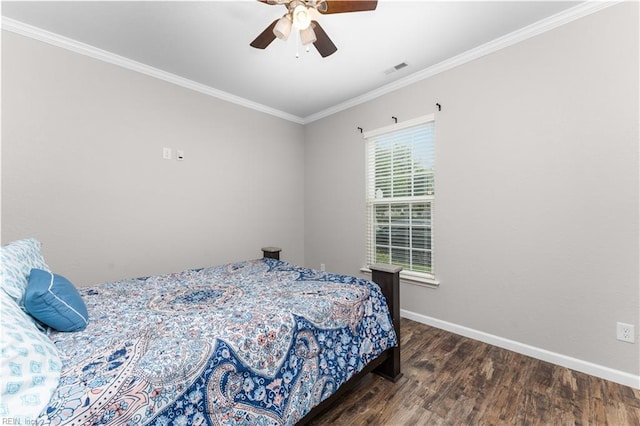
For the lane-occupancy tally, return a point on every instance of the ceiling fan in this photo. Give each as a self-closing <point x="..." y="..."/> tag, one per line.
<point x="299" y="16"/>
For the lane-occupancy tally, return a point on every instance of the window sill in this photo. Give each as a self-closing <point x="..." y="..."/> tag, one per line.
<point x="411" y="278"/>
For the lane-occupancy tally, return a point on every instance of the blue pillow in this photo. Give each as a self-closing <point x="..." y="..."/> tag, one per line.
<point x="54" y="301"/>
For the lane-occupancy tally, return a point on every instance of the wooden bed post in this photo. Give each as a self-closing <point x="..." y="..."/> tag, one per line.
<point x="388" y="278"/>
<point x="271" y="252"/>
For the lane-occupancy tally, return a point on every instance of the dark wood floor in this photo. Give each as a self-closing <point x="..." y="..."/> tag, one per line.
<point x="453" y="380"/>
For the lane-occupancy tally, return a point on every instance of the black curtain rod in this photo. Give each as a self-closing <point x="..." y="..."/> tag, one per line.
<point x="395" y="119"/>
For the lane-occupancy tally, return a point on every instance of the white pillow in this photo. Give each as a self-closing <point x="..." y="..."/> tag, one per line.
<point x="29" y="365"/>
<point x="17" y="260"/>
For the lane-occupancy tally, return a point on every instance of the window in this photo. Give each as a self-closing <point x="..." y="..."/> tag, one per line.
<point x="400" y="196"/>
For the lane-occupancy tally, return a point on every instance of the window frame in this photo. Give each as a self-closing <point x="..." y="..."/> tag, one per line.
<point x="420" y="278"/>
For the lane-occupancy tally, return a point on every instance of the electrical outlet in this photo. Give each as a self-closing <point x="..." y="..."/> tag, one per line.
<point x="322" y="268"/>
<point x="625" y="332"/>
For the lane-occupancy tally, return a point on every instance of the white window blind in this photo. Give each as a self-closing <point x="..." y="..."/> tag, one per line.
<point x="400" y="195"/>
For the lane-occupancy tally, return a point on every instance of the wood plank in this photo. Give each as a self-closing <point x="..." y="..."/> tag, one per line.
<point x="453" y="380"/>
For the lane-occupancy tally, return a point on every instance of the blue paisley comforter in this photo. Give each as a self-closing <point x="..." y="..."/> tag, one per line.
<point x="253" y="343"/>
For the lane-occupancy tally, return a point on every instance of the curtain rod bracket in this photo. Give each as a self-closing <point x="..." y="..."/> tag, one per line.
<point x="439" y="107"/>
<point x="395" y="119"/>
<point x="360" y="128"/>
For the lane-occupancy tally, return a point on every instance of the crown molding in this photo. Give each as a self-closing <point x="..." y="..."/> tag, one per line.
<point x="106" y="56"/>
<point x="583" y="9"/>
<point x="547" y="24"/>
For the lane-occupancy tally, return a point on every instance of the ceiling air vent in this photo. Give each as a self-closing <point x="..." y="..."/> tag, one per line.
<point x="396" y="68"/>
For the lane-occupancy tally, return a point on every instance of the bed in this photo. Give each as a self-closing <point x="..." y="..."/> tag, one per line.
<point x="258" y="342"/>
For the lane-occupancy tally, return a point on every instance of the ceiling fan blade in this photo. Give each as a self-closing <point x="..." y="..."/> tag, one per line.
<point x="323" y="43"/>
<point x="265" y="38"/>
<point x="343" y="6"/>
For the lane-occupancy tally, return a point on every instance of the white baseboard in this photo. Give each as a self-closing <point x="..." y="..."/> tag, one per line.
<point x="586" y="367"/>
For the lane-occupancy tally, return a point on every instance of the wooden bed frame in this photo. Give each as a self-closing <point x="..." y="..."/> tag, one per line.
<point x="388" y="363"/>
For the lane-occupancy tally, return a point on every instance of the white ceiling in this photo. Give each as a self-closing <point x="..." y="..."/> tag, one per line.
<point x="207" y="42"/>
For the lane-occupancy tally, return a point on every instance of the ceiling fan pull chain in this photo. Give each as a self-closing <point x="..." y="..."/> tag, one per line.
<point x="297" y="44"/>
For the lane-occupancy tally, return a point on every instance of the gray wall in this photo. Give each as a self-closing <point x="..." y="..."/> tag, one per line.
<point x="537" y="185"/>
<point x="536" y="214"/>
<point x="82" y="169"/>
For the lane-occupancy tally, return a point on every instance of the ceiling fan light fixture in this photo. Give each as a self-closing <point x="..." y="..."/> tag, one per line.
<point x="301" y="17"/>
<point x="307" y="36"/>
<point x="283" y="28"/>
